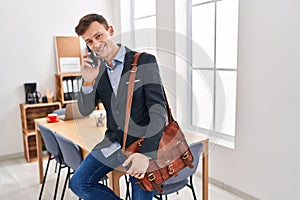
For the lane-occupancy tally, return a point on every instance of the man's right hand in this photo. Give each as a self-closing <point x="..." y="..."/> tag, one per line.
<point x="88" y="72"/>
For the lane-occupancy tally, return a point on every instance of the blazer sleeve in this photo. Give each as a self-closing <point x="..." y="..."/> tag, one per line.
<point x="156" y="105"/>
<point x="88" y="102"/>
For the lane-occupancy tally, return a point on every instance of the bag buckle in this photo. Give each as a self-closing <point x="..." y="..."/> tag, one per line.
<point x="185" y="155"/>
<point x="171" y="169"/>
<point x="151" y="177"/>
<point x="140" y="143"/>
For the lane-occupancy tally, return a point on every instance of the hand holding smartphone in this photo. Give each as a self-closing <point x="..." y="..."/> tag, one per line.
<point x="93" y="56"/>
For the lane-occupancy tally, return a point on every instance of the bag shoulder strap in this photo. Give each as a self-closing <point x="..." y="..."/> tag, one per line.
<point x="170" y="116"/>
<point x="130" y="95"/>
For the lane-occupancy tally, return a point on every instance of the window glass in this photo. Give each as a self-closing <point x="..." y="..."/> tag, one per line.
<point x="145" y="34"/>
<point x="149" y="22"/>
<point x="203" y="30"/>
<point x="214" y="30"/>
<point x="144" y="8"/>
<point x="202" y="98"/>
<point x="198" y="1"/>
<point x="227" y="34"/>
<point x="225" y="102"/>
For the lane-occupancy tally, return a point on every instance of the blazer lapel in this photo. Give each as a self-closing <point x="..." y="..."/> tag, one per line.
<point x="123" y="86"/>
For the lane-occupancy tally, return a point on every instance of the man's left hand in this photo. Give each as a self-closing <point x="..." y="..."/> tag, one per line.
<point x="139" y="165"/>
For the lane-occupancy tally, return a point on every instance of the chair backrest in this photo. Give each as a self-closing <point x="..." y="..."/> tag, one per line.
<point x="70" y="151"/>
<point x="59" y="111"/>
<point x="196" y="149"/>
<point x="51" y="143"/>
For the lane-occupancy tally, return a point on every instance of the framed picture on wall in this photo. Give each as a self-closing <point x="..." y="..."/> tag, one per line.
<point x="68" y="54"/>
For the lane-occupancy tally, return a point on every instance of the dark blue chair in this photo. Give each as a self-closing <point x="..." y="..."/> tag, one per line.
<point x="72" y="158"/>
<point x="54" y="152"/>
<point x="61" y="111"/>
<point x="185" y="176"/>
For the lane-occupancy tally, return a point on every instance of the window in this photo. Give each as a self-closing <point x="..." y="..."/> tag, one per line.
<point x="214" y="32"/>
<point x="144" y="25"/>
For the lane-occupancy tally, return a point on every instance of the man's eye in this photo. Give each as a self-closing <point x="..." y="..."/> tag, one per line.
<point x="99" y="36"/>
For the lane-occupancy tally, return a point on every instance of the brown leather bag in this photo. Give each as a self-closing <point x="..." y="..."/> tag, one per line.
<point x="173" y="152"/>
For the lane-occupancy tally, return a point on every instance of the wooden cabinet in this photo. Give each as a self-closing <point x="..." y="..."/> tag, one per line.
<point x="67" y="87"/>
<point x="29" y="112"/>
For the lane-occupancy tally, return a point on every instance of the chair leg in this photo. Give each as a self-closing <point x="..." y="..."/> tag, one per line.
<point x="192" y="188"/>
<point x="104" y="182"/>
<point x="161" y="197"/>
<point x="57" y="181"/>
<point x="65" y="184"/>
<point x="45" y="176"/>
<point x="127" y="188"/>
<point x="71" y="172"/>
<point x="55" y="169"/>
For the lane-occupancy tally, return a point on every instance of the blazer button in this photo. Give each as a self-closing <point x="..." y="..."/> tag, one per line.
<point x="118" y="128"/>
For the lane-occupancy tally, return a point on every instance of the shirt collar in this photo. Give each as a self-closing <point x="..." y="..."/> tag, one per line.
<point x="119" y="57"/>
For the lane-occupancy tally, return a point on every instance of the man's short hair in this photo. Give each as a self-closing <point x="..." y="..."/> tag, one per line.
<point x="85" y="22"/>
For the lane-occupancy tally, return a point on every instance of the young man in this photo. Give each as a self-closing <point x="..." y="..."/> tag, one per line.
<point x="108" y="83"/>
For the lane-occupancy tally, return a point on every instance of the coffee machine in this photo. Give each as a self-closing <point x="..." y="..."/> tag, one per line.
<point x="31" y="95"/>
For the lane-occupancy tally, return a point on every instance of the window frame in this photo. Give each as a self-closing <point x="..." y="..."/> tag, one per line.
<point x="133" y="22"/>
<point x="212" y="131"/>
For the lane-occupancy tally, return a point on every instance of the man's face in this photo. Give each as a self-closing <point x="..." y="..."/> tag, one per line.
<point x="99" y="39"/>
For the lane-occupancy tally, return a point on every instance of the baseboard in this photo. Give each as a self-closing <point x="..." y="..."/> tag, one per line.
<point x="228" y="188"/>
<point x="11" y="156"/>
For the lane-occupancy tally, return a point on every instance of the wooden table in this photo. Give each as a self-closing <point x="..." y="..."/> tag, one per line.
<point x="86" y="135"/>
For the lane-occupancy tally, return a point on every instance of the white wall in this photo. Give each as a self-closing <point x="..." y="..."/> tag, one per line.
<point x="266" y="161"/>
<point x="27" y="53"/>
<point x="165" y="43"/>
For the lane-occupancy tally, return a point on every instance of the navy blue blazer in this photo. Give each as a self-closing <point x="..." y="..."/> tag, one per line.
<point x="148" y="112"/>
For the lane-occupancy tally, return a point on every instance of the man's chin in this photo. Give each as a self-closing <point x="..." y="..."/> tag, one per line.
<point x="101" y="51"/>
<point x="100" y="54"/>
<point x="103" y="55"/>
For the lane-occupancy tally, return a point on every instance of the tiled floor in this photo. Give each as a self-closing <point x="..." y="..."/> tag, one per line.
<point x="19" y="180"/>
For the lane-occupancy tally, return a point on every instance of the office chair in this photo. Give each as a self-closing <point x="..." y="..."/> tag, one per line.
<point x="59" y="111"/>
<point x="185" y="176"/>
<point x="72" y="158"/>
<point x="54" y="152"/>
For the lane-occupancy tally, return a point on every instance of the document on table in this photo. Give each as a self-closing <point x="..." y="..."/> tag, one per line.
<point x="112" y="148"/>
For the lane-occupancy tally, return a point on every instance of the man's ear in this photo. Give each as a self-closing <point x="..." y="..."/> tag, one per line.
<point x="111" y="30"/>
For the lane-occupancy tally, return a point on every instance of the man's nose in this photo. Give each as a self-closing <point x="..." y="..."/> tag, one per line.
<point x="96" y="44"/>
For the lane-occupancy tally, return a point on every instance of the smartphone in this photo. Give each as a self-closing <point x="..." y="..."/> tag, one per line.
<point x="92" y="56"/>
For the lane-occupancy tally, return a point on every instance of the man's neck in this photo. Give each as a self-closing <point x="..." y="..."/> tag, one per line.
<point x="113" y="54"/>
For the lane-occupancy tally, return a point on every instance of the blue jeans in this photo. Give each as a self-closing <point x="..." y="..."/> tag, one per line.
<point x="85" y="181"/>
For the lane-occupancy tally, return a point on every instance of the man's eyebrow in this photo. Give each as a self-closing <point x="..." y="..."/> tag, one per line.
<point x="98" y="32"/>
<point x="87" y="40"/>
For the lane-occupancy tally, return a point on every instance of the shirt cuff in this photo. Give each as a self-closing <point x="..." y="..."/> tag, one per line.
<point x="87" y="89"/>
